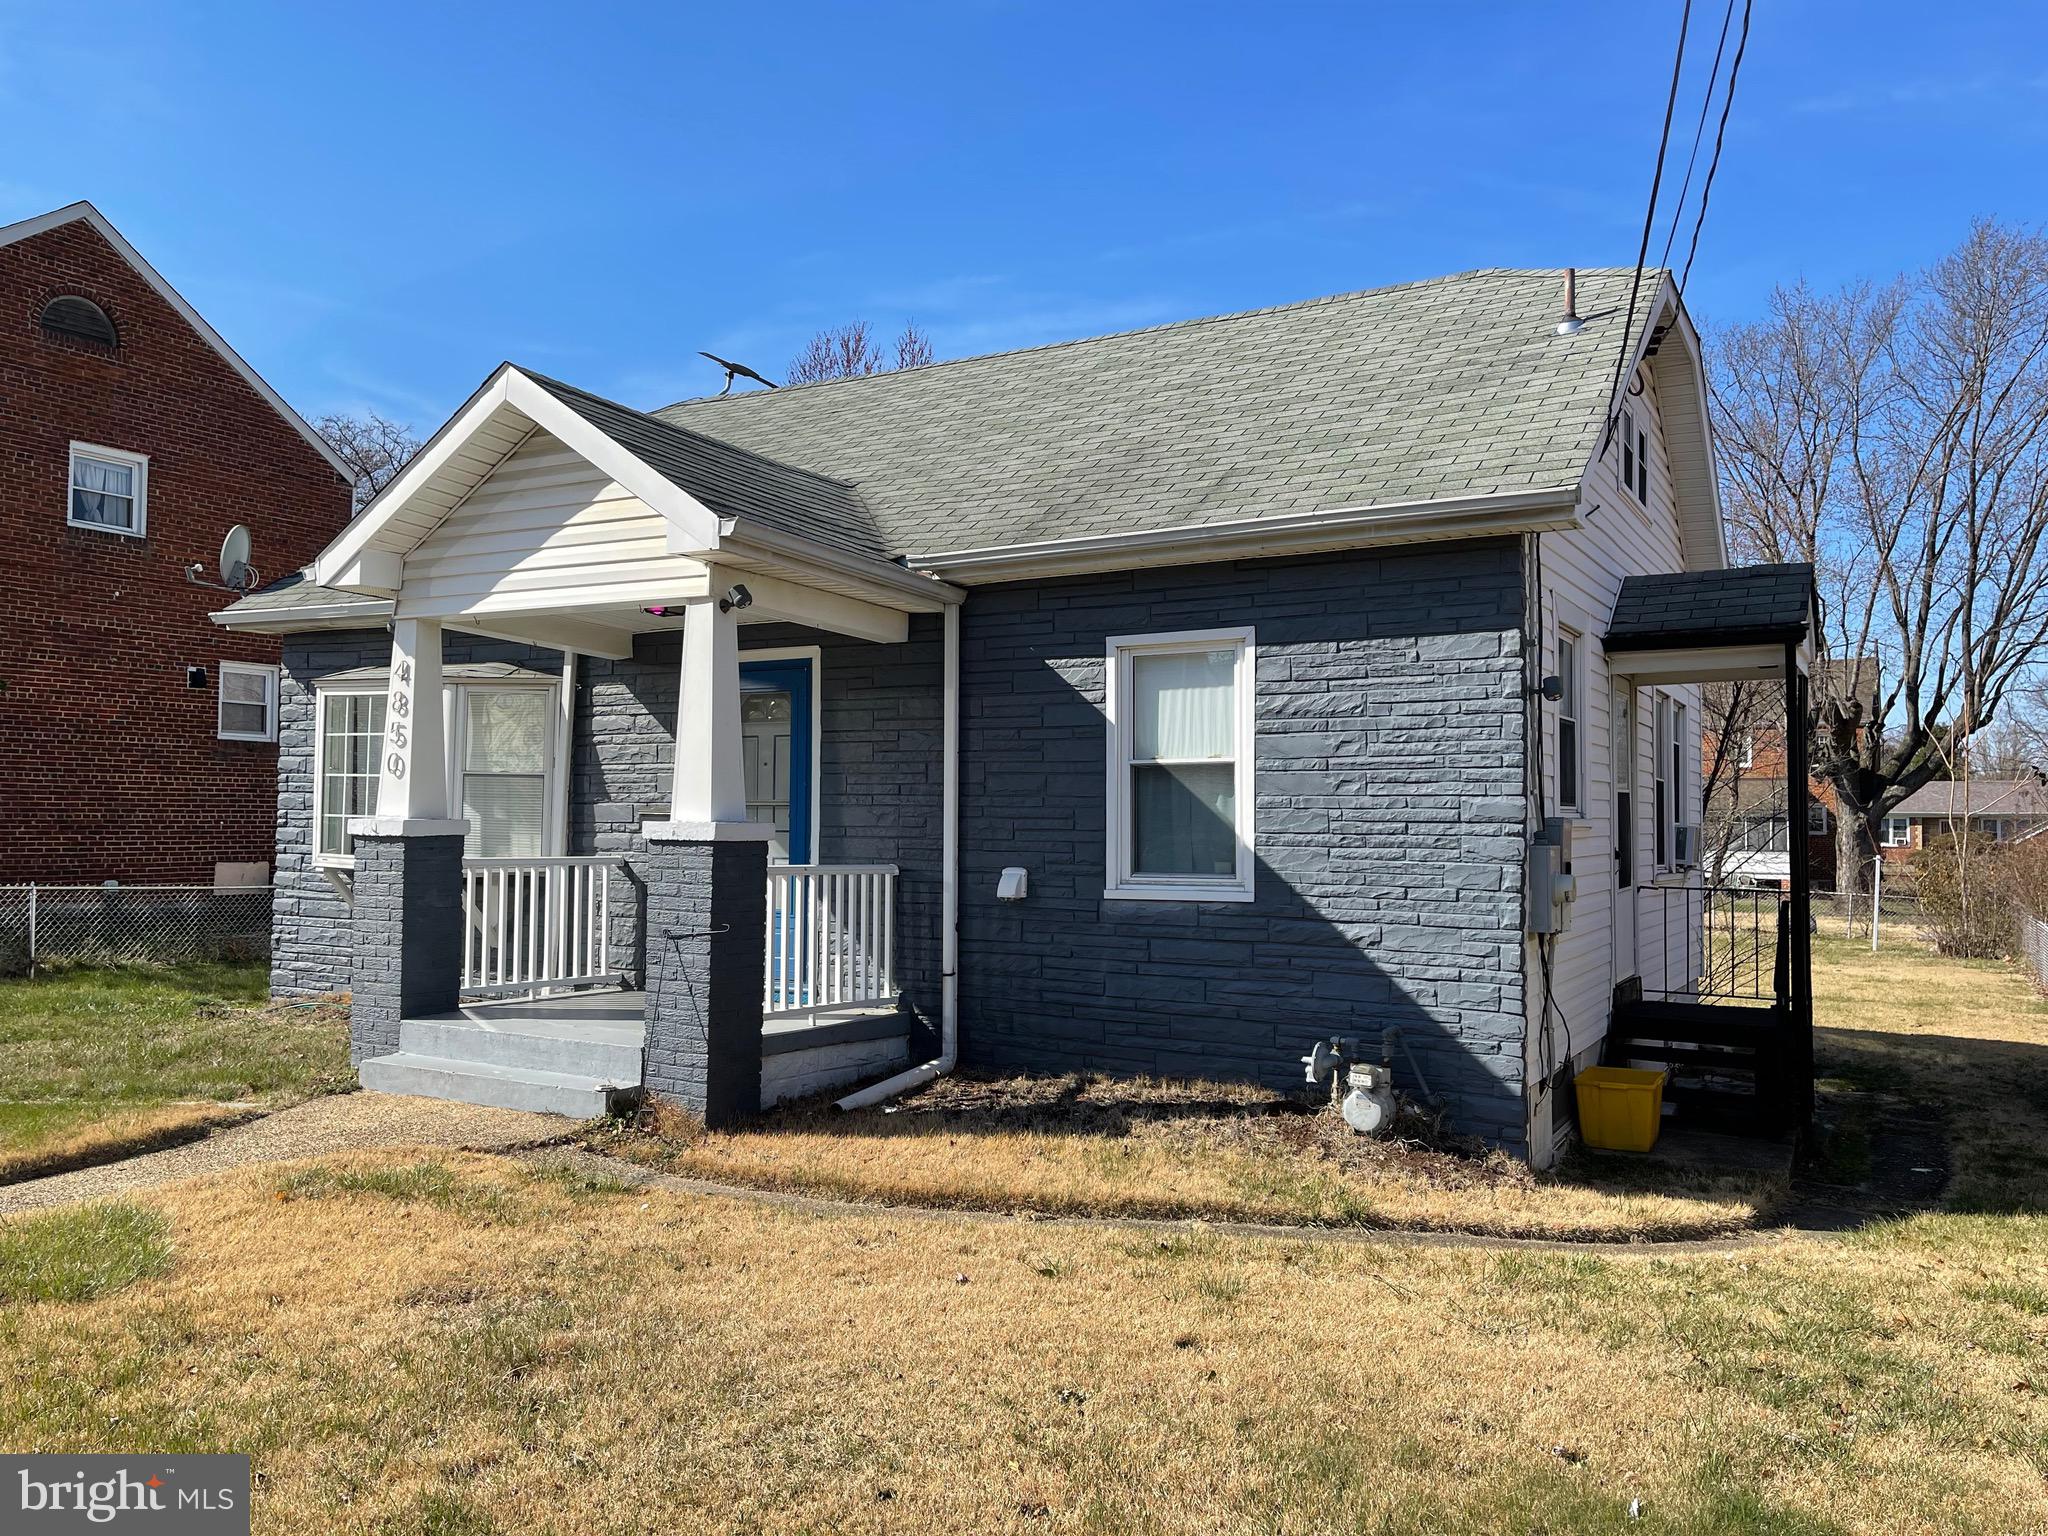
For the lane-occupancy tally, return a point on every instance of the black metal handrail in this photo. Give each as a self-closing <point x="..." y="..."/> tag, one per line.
<point x="1715" y="942"/>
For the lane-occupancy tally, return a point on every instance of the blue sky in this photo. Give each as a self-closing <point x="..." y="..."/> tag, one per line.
<point x="376" y="203"/>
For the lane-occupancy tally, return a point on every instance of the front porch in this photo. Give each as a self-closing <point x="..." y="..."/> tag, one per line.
<point x="693" y="870"/>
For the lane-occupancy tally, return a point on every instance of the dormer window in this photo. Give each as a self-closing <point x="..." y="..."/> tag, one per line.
<point x="109" y="490"/>
<point x="79" y="319"/>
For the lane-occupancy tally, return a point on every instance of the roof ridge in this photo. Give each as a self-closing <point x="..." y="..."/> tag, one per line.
<point x="793" y="390"/>
<point x="549" y="382"/>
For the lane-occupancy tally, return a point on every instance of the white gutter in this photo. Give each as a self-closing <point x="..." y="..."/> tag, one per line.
<point x="949" y="899"/>
<point x="1451" y="517"/>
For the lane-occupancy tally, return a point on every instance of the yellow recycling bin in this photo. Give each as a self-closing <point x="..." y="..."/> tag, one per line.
<point x="1620" y="1108"/>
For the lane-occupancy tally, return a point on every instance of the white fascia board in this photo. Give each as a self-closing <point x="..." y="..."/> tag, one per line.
<point x="1704" y="486"/>
<point x="284" y="621"/>
<point x="889" y="583"/>
<point x="788" y="602"/>
<point x="1699" y="664"/>
<point x="43" y="222"/>
<point x="692" y="524"/>
<point x="1461" y="517"/>
<point x="361" y="534"/>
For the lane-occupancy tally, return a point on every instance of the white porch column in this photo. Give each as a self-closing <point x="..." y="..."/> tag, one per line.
<point x="710" y="787"/>
<point x="412" y="782"/>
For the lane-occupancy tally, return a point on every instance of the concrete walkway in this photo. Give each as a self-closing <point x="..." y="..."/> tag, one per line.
<point x="342" y="1123"/>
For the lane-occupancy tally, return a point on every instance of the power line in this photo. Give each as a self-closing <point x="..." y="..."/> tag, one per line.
<point x="1720" y="133"/>
<point x="1698" y="132"/>
<point x="1649" y="224"/>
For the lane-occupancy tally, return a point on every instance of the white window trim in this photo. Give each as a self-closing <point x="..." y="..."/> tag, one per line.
<point x="246" y="669"/>
<point x="1905" y="837"/>
<point x="454" y="736"/>
<point x="1567" y="627"/>
<point x="139" y="462"/>
<point x="1119" y="884"/>
<point x="321" y="694"/>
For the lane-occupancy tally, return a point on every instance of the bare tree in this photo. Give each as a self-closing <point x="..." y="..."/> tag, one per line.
<point x="1897" y="437"/>
<point x="372" y="446"/>
<point x="850" y="351"/>
<point x="914" y="348"/>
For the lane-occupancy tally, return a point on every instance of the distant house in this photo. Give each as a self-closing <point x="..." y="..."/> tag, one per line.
<point x="1157" y="703"/>
<point x="1999" y="810"/>
<point x="138" y="741"/>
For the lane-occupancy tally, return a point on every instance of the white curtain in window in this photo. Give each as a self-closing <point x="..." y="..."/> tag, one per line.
<point x="1183" y="704"/>
<point x="1183" y="712"/>
<point x="103" y="492"/>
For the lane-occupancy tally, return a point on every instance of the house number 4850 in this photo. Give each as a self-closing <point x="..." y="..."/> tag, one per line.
<point x="396" y="733"/>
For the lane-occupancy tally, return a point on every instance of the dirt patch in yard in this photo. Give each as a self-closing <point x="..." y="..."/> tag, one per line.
<point x="1082" y="1144"/>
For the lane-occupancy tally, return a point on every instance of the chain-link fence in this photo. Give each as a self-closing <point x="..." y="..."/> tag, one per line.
<point x="1846" y="914"/>
<point x="2033" y="947"/>
<point x="40" y="924"/>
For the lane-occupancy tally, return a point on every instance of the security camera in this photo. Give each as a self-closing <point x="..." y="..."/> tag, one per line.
<point x="736" y="596"/>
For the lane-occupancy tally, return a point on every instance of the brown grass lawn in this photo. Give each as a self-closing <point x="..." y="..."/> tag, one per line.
<point x="463" y="1344"/>
<point x="1078" y="1144"/>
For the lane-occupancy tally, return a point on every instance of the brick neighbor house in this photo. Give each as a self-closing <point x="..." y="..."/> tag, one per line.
<point x="138" y="740"/>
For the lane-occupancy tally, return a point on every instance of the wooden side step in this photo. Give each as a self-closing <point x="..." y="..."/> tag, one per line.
<point x="1728" y="1064"/>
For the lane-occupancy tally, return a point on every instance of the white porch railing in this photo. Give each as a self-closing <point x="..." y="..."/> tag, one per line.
<point x="532" y="924"/>
<point x="831" y="937"/>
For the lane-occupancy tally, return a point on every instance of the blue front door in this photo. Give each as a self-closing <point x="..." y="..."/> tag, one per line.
<point x="776" y="751"/>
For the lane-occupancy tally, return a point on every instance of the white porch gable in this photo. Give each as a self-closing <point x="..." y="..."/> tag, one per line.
<point x="525" y="518"/>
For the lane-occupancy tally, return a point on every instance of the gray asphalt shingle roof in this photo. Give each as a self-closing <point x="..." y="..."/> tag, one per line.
<point x="1745" y="604"/>
<point x="299" y="590"/>
<point x="1456" y="386"/>
<point x="1977" y="797"/>
<point x="731" y="481"/>
<point x="1451" y="387"/>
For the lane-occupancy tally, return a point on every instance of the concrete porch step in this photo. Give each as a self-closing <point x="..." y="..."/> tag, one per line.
<point x="608" y="1053"/>
<point x="579" y="1096"/>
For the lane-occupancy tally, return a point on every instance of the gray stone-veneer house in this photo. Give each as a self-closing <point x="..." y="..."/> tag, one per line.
<point x="1156" y="703"/>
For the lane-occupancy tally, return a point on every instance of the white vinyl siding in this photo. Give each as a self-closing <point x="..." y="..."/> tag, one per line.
<point x="543" y="527"/>
<point x="1180" y="745"/>
<point x="248" y="702"/>
<point x="1582" y="571"/>
<point x="108" y="491"/>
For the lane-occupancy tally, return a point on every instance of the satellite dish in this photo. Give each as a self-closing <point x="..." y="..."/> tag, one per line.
<point x="234" y="557"/>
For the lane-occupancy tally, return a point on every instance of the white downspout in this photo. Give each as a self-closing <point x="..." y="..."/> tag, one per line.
<point x="949" y="899"/>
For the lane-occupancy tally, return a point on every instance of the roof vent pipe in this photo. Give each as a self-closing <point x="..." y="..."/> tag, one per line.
<point x="1571" y="324"/>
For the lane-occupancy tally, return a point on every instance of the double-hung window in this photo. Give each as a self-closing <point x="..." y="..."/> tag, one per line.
<point x="248" y="702"/>
<point x="1180" y="766"/>
<point x="109" y="490"/>
<point x="1568" y="760"/>
<point x="1635" y="457"/>
<point x="500" y="751"/>
<point x="347" y="764"/>
<point x="1898" y="832"/>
